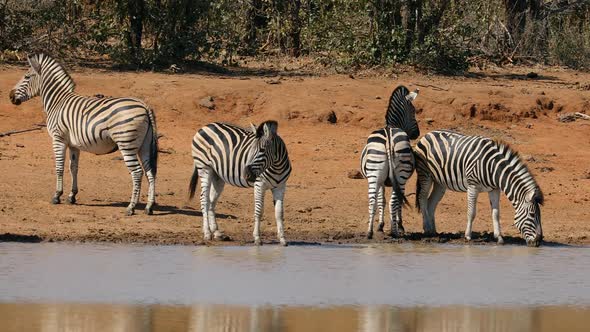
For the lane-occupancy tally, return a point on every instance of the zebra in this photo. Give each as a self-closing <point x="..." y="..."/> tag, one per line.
<point x="96" y="125"/>
<point x="474" y="164"/>
<point x="257" y="157"/>
<point x="387" y="159"/>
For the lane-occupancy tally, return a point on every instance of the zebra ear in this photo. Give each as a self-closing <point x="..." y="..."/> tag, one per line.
<point x="253" y="128"/>
<point x="535" y="196"/>
<point x="268" y="129"/>
<point x="34" y="62"/>
<point x="412" y="95"/>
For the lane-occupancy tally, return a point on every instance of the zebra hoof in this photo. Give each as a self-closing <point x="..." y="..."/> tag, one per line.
<point x="217" y="235"/>
<point x="500" y="240"/>
<point x="283" y="242"/>
<point x="369" y="235"/>
<point x="257" y="242"/>
<point x="380" y="229"/>
<point x="149" y="211"/>
<point x="467" y="238"/>
<point x="55" y="200"/>
<point x="207" y="237"/>
<point x="396" y="234"/>
<point x="130" y="212"/>
<point x="72" y="199"/>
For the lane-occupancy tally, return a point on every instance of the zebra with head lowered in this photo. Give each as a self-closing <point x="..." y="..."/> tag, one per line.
<point x="256" y="157"/>
<point x="387" y="159"/>
<point x="96" y="125"/>
<point x="475" y="164"/>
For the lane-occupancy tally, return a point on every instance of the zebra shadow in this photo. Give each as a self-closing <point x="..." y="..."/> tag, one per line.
<point x="11" y="237"/>
<point x="161" y="210"/>
<point x="476" y="238"/>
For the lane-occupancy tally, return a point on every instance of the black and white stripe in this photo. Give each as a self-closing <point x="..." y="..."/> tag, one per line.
<point x="387" y="159"/>
<point x="256" y="157"/>
<point x="474" y="164"/>
<point x="96" y="125"/>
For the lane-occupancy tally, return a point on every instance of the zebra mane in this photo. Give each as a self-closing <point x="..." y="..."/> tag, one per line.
<point x="501" y="144"/>
<point x="45" y="61"/>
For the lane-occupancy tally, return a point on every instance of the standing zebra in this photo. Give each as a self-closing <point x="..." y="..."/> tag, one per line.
<point x="96" y="125"/>
<point x="387" y="159"/>
<point x="224" y="153"/>
<point x="475" y="164"/>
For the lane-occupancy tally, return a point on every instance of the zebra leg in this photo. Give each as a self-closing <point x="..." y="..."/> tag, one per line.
<point x="74" y="158"/>
<point x="258" y="209"/>
<point x="134" y="167"/>
<point x="471" y="210"/>
<point x="425" y="184"/>
<point x="59" y="150"/>
<point x="381" y="203"/>
<point x="278" y="194"/>
<point x="145" y="158"/>
<point x="374" y="190"/>
<point x="205" y="175"/>
<point x="217" y="185"/>
<point x="495" y="203"/>
<point x="395" y="209"/>
<point x="438" y="191"/>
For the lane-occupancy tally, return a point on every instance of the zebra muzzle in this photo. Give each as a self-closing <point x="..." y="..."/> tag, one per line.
<point x="13" y="98"/>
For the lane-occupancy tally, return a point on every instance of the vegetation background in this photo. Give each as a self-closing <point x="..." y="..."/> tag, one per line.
<point x="443" y="36"/>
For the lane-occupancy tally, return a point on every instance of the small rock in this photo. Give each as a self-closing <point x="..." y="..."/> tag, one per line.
<point x="207" y="102"/>
<point x="530" y="159"/>
<point x="377" y="97"/>
<point x="351" y="76"/>
<point x="355" y="174"/>
<point x="328" y="117"/>
<point x="174" y="68"/>
<point x="429" y="120"/>
<point x="546" y="169"/>
<point x="529" y="126"/>
<point x="18" y="145"/>
<point x="273" y="81"/>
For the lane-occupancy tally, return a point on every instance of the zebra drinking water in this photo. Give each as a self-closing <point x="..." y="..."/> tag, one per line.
<point x="96" y="125"/>
<point x="475" y="164"/>
<point x="387" y="159"/>
<point x="256" y="157"/>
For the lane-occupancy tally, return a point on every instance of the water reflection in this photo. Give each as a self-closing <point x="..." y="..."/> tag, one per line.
<point x="102" y="317"/>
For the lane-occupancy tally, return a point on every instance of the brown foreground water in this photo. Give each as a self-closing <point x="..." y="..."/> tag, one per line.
<point x="406" y="287"/>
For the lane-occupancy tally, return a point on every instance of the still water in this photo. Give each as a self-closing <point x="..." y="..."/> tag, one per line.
<point x="68" y="287"/>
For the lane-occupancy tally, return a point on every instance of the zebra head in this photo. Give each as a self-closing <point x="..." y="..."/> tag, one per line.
<point x="263" y="150"/>
<point x="528" y="218"/>
<point x="30" y="85"/>
<point x="401" y="113"/>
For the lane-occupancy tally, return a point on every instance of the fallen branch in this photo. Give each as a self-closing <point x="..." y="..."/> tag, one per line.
<point x="431" y="86"/>
<point x="570" y="117"/>
<point x="12" y="132"/>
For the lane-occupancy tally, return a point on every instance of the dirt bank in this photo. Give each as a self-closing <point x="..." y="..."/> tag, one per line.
<point x="322" y="203"/>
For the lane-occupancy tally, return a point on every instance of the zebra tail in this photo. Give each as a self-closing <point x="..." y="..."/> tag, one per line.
<point x="192" y="187"/>
<point x="418" y="191"/>
<point x="394" y="184"/>
<point x="154" y="143"/>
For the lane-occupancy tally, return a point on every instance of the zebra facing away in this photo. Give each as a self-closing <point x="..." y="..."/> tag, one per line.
<point x="96" y="125"/>
<point x="256" y="157"/>
<point x="474" y="164"/>
<point x="387" y="159"/>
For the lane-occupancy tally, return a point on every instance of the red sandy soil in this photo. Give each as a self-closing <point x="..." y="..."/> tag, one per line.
<point x="322" y="203"/>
